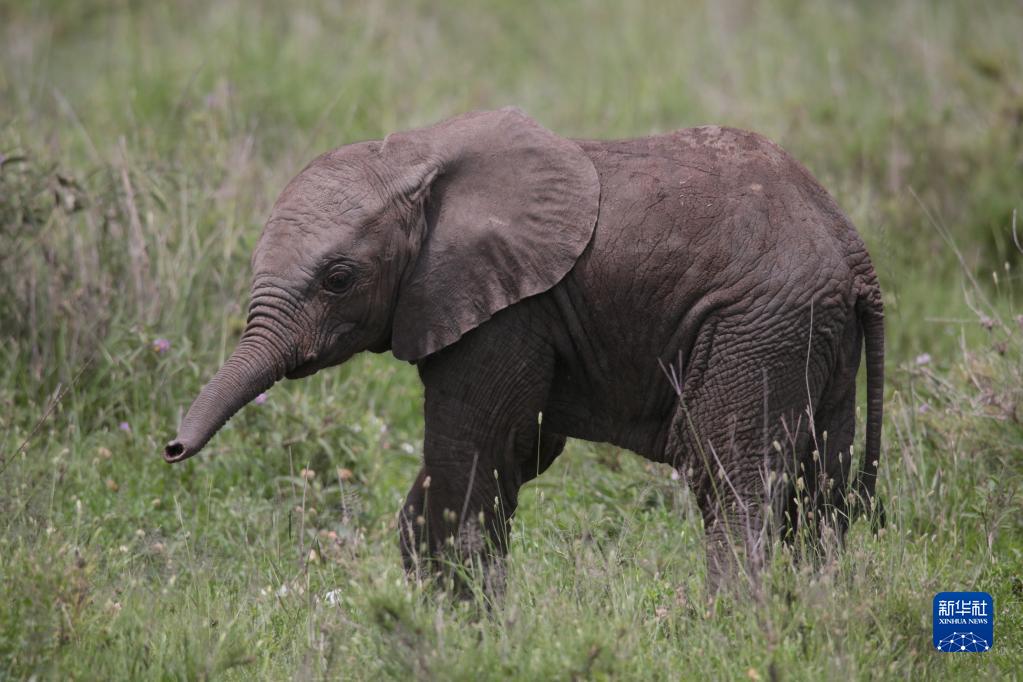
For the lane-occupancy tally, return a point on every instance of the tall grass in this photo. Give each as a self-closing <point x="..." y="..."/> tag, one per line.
<point x="141" y="145"/>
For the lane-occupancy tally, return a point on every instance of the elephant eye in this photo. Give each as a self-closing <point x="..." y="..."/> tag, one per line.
<point x="338" y="279"/>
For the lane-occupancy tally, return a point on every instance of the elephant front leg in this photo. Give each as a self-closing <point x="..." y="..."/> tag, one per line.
<point x="482" y="399"/>
<point x="468" y="504"/>
<point x="412" y="528"/>
<point x="488" y="532"/>
<point x="456" y="517"/>
<point x="547" y="447"/>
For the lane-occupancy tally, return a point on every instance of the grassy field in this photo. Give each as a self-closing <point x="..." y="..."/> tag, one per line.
<point x="141" y="146"/>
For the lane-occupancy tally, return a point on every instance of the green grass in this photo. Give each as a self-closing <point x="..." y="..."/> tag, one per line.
<point x="142" y="145"/>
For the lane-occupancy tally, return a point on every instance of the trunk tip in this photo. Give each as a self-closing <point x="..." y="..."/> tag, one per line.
<point x="175" y="451"/>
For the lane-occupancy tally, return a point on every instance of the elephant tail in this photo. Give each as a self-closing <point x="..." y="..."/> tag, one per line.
<point x="870" y="311"/>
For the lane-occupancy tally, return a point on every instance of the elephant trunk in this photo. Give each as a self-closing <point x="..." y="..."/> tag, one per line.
<point x="254" y="366"/>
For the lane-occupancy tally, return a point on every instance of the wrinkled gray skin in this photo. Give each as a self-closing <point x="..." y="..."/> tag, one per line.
<point x="524" y="273"/>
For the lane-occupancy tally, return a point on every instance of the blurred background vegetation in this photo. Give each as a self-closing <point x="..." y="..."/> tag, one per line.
<point x="141" y="146"/>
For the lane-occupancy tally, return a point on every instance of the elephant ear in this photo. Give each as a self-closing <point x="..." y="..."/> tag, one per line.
<point x="509" y="208"/>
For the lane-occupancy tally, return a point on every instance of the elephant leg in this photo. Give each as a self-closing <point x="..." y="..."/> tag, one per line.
<point x="830" y="462"/>
<point x="835" y="429"/>
<point x="721" y="455"/>
<point x="549" y="447"/>
<point x="412" y="519"/>
<point x="412" y="539"/>
<point x="482" y="399"/>
<point x="741" y="435"/>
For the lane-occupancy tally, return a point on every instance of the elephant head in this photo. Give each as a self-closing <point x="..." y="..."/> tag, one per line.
<point x="402" y="245"/>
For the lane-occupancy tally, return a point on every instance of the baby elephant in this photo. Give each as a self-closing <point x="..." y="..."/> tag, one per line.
<point x="695" y="297"/>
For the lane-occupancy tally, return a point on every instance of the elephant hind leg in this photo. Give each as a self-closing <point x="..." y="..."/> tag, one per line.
<point x="721" y="453"/>
<point x="740" y="436"/>
<point x="815" y="509"/>
<point x="834" y="431"/>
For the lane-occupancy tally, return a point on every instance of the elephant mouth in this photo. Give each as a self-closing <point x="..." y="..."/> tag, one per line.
<point x="306" y="369"/>
<point x="313" y="363"/>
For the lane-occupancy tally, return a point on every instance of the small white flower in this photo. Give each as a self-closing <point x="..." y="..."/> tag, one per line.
<point x="923" y="359"/>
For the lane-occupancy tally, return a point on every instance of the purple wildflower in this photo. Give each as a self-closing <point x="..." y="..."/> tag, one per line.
<point x="260" y="399"/>
<point x="125" y="426"/>
<point x="923" y="359"/>
<point x="161" y="345"/>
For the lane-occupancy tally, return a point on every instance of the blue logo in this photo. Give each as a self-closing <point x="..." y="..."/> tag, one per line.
<point x="963" y="622"/>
